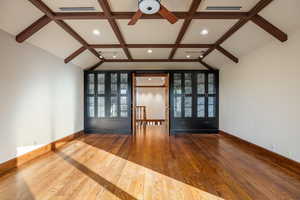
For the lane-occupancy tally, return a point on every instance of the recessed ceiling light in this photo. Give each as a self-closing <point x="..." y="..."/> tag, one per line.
<point x="188" y="56"/>
<point x="201" y="56"/>
<point x="114" y="56"/>
<point x="149" y="51"/>
<point x="149" y="79"/>
<point x="204" y="32"/>
<point x="96" y="32"/>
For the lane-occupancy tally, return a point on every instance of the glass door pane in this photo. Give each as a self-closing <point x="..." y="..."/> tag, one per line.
<point x="101" y="107"/>
<point x="187" y="83"/>
<point x="177" y="107"/>
<point x="101" y="83"/>
<point x="201" y="107"/>
<point x="91" y="106"/>
<point x="187" y="106"/>
<point x="211" y="106"/>
<point x="91" y="84"/>
<point x="211" y="84"/>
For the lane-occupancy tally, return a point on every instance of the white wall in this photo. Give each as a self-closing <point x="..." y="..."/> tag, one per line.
<point x="41" y="98"/>
<point x="260" y="97"/>
<point x="154" y="100"/>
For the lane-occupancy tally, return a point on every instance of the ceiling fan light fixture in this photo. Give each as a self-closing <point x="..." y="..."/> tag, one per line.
<point x="149" y="7"/>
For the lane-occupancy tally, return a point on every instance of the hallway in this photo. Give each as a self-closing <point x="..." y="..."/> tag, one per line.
<point x="152" y="165"/>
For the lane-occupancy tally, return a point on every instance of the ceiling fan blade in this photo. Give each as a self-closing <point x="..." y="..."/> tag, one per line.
<point x="136" y="17"/>
<point x="165" y="13"/>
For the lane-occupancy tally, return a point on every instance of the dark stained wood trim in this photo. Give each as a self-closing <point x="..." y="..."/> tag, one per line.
<point x="44" y="8"/>
<point x="151" y="60"/>
<point x="150" y="86"/>
<point x="270" y="28"/>
<point x="107" y="12"/>
<point x="151" y="75"/>
<point x="256" y="9"/>
<point x="193" y="9"/>
<point x="207" y="65"/>
<point x="76" y="36"/>
<point x="227" y="54"/>
<point x="152" y="45"/>
<point x="129" y="15"/>
<point x="266" y="154"/>
<point x="75" y="54"/>
<point x="95" y="66"/>
<point x="33" y="28"/>
<point x="20" y="160"/>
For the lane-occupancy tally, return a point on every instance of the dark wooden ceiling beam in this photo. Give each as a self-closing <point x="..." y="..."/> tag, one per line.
<point x="193" y="9"/>
<point x="207" y="65"/>
<point x="254" y="11"/>
<point x="107" y="12"/>
<point x="227" y="54"/>
<point x="75" y="54"/>
<point x="270" y="28"/>
<point x="199" y="46"/>
<point x="129" y="15"/>
<point x="152" y="60"/>
<point x="76" y="36"/>
<point x="92" y="68"/>
<point x="33" y="28"/>
<point x="45" y="9"/>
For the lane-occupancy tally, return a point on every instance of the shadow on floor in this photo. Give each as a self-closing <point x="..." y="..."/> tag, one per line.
<point x="100" y="180"/>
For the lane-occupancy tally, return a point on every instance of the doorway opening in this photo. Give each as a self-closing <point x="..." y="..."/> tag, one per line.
<point x="150" y="101"/>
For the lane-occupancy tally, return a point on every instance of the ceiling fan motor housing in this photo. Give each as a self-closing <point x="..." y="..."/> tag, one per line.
<point x="149" y="7"/>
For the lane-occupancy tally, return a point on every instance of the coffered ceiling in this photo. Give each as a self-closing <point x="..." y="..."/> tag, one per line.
<point x="233" y="31"/>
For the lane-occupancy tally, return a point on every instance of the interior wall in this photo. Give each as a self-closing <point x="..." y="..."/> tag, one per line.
<point x="41" y="98"/>
<point x="154" y="100"/>
<point x="260" y="97"/>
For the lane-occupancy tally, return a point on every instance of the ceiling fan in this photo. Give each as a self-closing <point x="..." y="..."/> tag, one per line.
<point x="150" y="7"/>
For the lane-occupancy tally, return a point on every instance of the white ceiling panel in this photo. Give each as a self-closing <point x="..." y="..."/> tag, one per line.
<point x="141" y="53"/>
<point x="151" y="66"/>
<point x="132" y="5"/>
<point x="85" y="29"/>
<point x="55" y="40"/>
<point x="247" y="39"/>
<point x="112" y="53"/>
<point x="150" y="31"/>
<point x="85" y="59"/>
<point x="216" y="28"/>
<point x="54" y="5"/>
<point x="16" y="15"/>
<point x="186" y="53"/>
<point x="246" y="5"/>
<point x="283" y="14"/>
<point x="217" y="59"/>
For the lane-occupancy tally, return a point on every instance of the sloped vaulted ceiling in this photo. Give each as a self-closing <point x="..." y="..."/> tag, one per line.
<point x="231" y="34"/>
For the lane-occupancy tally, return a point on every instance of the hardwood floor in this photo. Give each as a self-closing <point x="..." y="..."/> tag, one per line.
<point x="152" y="165"/>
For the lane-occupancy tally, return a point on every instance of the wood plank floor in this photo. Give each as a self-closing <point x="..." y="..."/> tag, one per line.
<point x="152" y="165"/>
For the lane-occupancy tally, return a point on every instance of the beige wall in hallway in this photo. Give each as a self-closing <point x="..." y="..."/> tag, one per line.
<point x="154" y="100"/>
